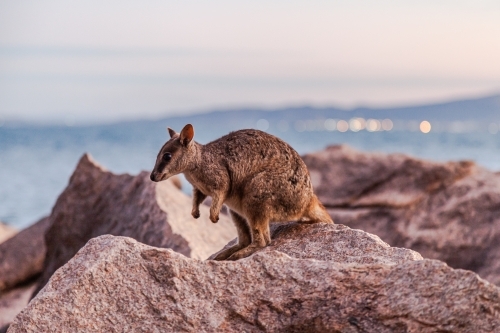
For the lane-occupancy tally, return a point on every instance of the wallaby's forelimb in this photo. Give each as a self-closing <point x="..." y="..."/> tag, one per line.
<point x="216" y="206"/>
<point x="244" y="237"/>
<point x="198" y="198"/>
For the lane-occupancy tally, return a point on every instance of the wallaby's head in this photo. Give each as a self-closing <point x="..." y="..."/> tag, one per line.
<point x="176" y="155"/>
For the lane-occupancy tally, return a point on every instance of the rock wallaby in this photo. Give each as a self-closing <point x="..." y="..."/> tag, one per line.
<point x="258" y="176"/>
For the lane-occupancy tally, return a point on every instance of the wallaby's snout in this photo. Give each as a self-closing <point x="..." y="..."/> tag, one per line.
<point x="153" y="176"/>
<point x="161" y="164"/>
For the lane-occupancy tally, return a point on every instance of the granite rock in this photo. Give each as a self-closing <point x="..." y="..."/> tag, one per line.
<point x="116" y="284"/>
<point x="446" y="211"/>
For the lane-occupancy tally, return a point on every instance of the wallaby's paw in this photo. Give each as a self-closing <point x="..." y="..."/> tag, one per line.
<point x="195" y="214"/>
<point x="214" y="219"/>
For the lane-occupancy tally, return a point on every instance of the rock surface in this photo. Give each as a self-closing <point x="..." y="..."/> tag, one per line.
<point x="6" y="232"/>
<point x="116" y="284"/>
<point x="98" y="202"/>
<point x="446" y="211"/>
<point x="21" y="256"/>
<point x="333" y="243"/>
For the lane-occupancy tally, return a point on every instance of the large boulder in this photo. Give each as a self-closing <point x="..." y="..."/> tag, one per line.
<point x="313" y="278"/>
<point x="97" y="202"/>
<point x="446" y="211"/>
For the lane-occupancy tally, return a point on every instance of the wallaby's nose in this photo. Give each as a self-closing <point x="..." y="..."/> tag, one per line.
<point x="152" y="176"/>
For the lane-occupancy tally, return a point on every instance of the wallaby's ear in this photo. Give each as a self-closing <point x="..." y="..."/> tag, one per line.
<point x="187" y="134"/>
<point x="171" y="132"/>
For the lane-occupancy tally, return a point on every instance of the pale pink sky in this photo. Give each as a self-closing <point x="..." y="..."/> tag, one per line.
<point x="102" y="61"/>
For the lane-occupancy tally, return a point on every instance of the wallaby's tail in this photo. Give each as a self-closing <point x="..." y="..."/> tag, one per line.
<point x="317" y="212"/>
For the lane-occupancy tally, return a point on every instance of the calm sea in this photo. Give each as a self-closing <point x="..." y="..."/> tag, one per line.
<point x="36" y="162"/>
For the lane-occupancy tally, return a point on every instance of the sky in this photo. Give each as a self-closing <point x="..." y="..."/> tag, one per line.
<point x="100" y="61"/>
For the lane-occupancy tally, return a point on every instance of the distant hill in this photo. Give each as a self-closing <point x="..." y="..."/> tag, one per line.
<point x="481" y="111"/>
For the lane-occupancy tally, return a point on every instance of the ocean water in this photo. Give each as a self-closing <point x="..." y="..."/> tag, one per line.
<point x="36" y="162"/>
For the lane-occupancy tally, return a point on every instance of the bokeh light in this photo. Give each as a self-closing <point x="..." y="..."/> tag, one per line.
<point x="373" y="125"/>
<point x="387" y="124"/>
<point x="425" y="126"/>
<point x="342" y="126"/>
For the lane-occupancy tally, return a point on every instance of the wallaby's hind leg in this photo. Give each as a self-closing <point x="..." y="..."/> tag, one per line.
<point x="261" y="237"/>
<point x="244" y="237"/>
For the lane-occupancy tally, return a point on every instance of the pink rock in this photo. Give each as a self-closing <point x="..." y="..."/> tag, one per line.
<point x="446" y="211"/>
<point x="363" y="285"/>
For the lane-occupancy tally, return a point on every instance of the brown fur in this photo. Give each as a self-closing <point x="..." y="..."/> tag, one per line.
<point x="258" y="176"/>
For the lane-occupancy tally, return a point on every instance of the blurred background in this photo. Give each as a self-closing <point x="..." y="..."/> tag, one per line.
<point x="416" y="77"/>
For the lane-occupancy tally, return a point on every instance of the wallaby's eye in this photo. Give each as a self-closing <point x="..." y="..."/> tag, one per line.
<point x="167" y="157"/>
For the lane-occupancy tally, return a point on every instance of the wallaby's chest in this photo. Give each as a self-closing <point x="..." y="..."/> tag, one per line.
<point x="196" y="183"/>
<point x="209" y="188"/>
<point x="201" y="184"/>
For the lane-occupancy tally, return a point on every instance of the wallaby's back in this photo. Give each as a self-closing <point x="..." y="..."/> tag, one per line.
<point x="265" y="172"/>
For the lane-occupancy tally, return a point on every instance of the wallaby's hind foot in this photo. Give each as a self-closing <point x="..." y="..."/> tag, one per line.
<point x="226" y="253"/>
<point x="261" y="237"/>
<point x="244" y="237"/>
<point x="246" y="252"/>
